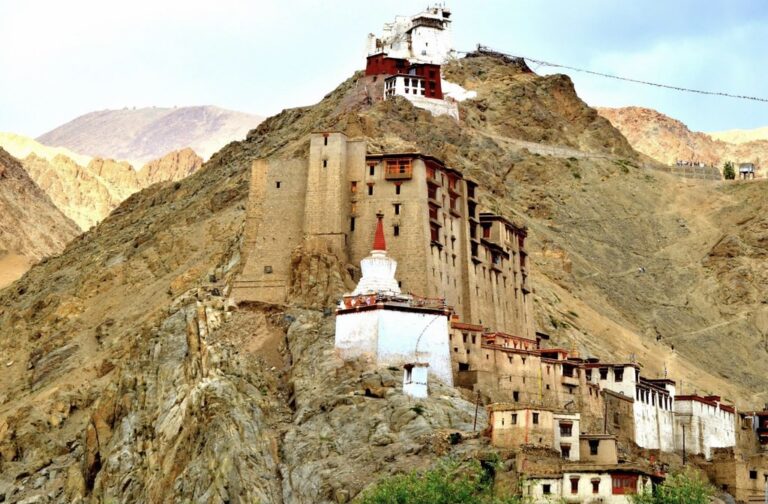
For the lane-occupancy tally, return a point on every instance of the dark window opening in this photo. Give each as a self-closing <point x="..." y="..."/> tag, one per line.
<point x="515" y="396"/>
<point x="752" y="474"/>
<point x="535" y="418"/>
<point x="603" y="373"/>
<point x="574" y="485"/>
<point x="463" y="366"/>
<point x="397" y="188"/>
<point x="277" y="184"/>
<point x="593" y="446"/>
<point x="325" y="163"/>
<point x="353" y="186"/>
<point x="397" y="208"/>
<point x="595" y="486"/>
<point x="370" y="189"/>
<point x="371" y="170"/>
<point x="325" y="140"/>
<point x="352" y="224"/>
<point x="565" y="451"/>
<point x="396" y="230"/>
<point x="618" y="374"/>
<point x="514" y="418"/>
<point x="546" y="489"/>
<point x="566" y="429"/>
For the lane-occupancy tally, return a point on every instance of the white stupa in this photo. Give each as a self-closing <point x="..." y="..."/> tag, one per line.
<point x="379" y="324"/>
<point x="378" y="268"/>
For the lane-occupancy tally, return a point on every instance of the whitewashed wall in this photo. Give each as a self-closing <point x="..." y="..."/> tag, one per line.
<point x="706" y="427"/>
<point x="654" y="426"/>
<point x="388" y="337"/>
<point x="605" y="490"/>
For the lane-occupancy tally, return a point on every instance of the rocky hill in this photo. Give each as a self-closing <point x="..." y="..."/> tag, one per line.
<point x="86" y="194"/>
<point x="141" y="135"/>
<point x="739" y="136"/>
<point x="668" y="140"/>
<point x="131" y="378"/>
<point x="31" y="227"/>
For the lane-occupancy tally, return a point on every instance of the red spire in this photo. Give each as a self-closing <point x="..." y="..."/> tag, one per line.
<point x="378" y="239"/>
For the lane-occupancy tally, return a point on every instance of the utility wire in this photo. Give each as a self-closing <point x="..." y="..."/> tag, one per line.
<point x="484" y="49"/>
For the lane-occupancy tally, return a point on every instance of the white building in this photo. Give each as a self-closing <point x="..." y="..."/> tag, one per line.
<point x="705" y="423"/>
<point x="413" y="88"/>
<point x="653" y="406"/>
<point x="378" y="323"/>
<point x="422" y="38"/>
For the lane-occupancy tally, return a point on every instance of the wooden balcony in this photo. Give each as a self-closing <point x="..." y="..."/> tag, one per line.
<point x="398" y="169"/>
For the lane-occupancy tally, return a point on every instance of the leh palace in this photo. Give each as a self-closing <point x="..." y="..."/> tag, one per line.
<point x="443" y="294"/>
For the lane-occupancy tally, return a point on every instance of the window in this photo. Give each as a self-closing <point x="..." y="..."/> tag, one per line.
<point x="603" y="373"/>
<point x="618" y="374"/>
<point x="594" y="444"/>
<point x="371" y="170"/>
<point x="325" y="140"/>
<point x="574" y="485"/>
<point x="325" y="163"/>
<point x="474" y="339"/>
<point x="565" y="451"/>
<point x="514" y="418"/>
<point x="268" y="269"/>
<point x="396" y="230"/>
<point x="546" y="489"/>
<point x="352" y="224"/>
<point x="353" y="187"/>
<point x="624" y="483"/>
<point x="486" y="231"/>
<point x="595" y="486"/>
<point x="589" y="375"/>
<point x="397" y="208"/>
<point x="463" y="366"/>
<point x="566" y="429"/>
<point x="535" y="418"/>
<point x="277" y="184"/>
<point x="397" y="188"/>
<point x="752" y="474"/>
<point x="370" y="189"/>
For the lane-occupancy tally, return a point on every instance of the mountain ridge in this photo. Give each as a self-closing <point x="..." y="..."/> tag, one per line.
<point x="140" y="135"/>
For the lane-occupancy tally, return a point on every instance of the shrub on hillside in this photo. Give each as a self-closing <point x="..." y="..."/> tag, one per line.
<point x="728" y="172"/>
<point x="449" y="482"/>
<point x="685" y="486"/>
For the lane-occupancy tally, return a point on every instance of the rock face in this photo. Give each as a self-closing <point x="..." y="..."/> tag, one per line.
<point x="31" y="227"/>
<point x="668" y="140"/>
<point x="141" y="135"/>
<point x="87" y="194"/>
<point x="129" y="377"/>
<point x="739" y="136"/>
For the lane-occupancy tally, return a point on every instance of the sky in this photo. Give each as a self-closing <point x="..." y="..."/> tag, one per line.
<point x="61" y="59"/>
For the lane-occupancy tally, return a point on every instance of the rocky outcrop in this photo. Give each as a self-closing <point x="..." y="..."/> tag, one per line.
<point x="87" y="194"/>
<point x="30" y="224"/>
<point x="668" y="140"/>
<point x="175" y="165"/>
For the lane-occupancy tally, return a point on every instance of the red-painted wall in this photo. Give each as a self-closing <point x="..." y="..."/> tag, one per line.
<point x="431" y="75"/>
<point x="380" y="64"/>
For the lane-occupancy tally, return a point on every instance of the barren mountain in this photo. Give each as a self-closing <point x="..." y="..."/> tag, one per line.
<point x="131" y="378"/>
<point x="668" y="140"/>
<point x="31" y="227"/>
<point x="86" y="194"/>
<point x="141" y="135"/>
<point x="739" y="136"/>
<point x="20" y="146"/>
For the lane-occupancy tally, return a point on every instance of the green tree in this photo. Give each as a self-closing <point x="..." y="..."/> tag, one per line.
<point x="728" y="171"/>
<point x="449" y="482"/>
<point x="685" y="486"/>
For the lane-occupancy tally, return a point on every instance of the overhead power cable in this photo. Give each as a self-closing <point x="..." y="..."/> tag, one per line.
<point x="482" y="49"/>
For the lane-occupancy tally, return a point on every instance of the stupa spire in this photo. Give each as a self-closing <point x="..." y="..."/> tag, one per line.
<point x="378" y="240"/>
